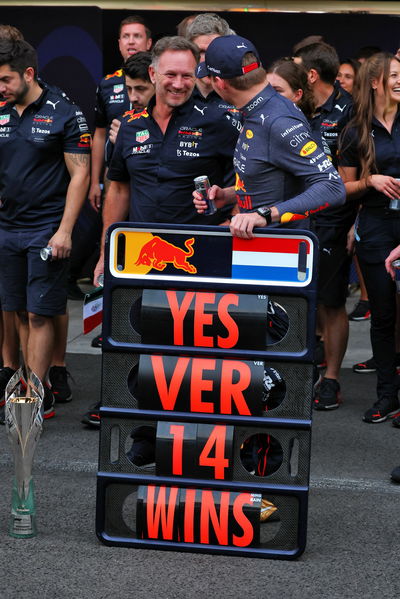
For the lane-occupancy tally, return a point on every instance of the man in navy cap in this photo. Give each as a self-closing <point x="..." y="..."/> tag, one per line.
<point x="281" y="173"/>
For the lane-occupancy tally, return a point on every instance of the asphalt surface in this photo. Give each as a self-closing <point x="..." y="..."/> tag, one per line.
<point x="352" y="548"/>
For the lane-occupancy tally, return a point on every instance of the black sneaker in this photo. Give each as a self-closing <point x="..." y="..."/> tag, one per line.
<point x="5" y="374"/>
<point x="58" y="376"/>
<point x="361" y="311"/>
<point x="327" y="396"/>
<point x="395" y="475"/>
<point x="365" y="367"/>
<point x="384" y="407"/>
<point x="92" y="417"/>
<point x="48" y="403"/>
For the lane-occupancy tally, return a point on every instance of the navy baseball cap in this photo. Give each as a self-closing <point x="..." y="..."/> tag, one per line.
<point x="224" y="58"/>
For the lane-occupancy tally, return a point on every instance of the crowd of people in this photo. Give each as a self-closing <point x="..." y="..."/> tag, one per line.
<point x="308" y="142"/>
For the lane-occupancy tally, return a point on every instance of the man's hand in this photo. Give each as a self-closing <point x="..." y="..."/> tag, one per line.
<point x="60" y="244"/>
<point x="214" y="193"/>
<point x="99" y="270"/>
<point x="242" y="225"/>
<point x="115" y="125"/>
<point x="94" y="196"/>
<point x="394" y="255"/>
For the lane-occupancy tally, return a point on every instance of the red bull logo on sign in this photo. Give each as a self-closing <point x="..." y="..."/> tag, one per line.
<point x="157" y="253"/>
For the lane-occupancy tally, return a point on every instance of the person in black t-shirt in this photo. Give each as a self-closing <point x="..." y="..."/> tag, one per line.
<point x="44" y="176"/>
<point x="369" y="162"/>
<point x="112" y="98"/>
<point x="332" y="112"/>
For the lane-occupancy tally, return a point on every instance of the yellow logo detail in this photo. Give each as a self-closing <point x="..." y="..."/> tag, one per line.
<point x="308" y="148"/>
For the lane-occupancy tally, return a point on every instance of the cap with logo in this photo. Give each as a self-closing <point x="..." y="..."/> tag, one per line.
<point x="224" y="58"/>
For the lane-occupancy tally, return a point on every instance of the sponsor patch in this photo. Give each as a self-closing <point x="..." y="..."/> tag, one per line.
<point x="145" y="149"/>
<point x="136" y="115"/>
<point x="118" y="88"/>
<point x="84" y="140"/>
<point x="4" y="119"/>
<point x="249" y="134"/>
<point x="142" y="136"/>
<point x="308" y="148"/>
<point x="43" y="119"/>
<point x="190" y="132"/>
<point x="116" y="74"/>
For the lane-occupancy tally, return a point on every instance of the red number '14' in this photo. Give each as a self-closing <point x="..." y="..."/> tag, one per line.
<point x="216" y="440"/>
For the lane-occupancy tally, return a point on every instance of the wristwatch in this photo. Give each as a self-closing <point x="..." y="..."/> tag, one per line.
<point x="265" y="212"/>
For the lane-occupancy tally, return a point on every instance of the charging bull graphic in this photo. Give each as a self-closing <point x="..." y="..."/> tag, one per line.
<point x="157" y="253"/>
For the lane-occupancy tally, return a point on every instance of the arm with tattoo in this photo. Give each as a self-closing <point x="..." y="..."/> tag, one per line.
<point x="78" y="166"/>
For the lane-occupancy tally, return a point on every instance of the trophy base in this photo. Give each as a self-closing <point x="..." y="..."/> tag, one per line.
<point x="23" y="514"/>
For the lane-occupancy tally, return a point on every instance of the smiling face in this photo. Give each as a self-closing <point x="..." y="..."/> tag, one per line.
<point x="393" y="82"/>
<point x="346" y="76"/>
<point x="132" y="39"/>
<point x="391" y="92"/>
<point x="173" y="77"/>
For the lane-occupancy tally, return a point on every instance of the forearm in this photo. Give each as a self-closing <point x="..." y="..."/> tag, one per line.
<point x="97" y="164"/>
<point x="76" y="195"/>
<point x="115" y="208"/>
<point x="320" y="195"/>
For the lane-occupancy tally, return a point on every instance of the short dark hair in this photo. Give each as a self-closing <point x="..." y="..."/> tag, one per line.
<point x="18" y="54"/>
<point x="248" y="80"/>
<point x="306" y="41"/>
<point x="10" y="32"/>
<point x="175" y="43"/>
<point x="134" y="19"/>
<point x="137" y="66"/>
<point x="323" y="58"/>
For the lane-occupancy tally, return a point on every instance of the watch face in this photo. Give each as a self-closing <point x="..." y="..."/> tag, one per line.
<point x="265" y="212"/>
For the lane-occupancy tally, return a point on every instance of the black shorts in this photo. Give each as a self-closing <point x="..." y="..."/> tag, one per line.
<point x="26" y="281"/>
<point x="334" y="266"/>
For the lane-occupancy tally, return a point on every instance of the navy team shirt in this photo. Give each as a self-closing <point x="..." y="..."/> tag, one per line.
<point x="111" y="99"/>
<point x="387" y="159"/>
<point x="33" y="176"/>
<point x="326" y="124"/>
<point x="277" y="161"/>
<point x="200" y="140"/>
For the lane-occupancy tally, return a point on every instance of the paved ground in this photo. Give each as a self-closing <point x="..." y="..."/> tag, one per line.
<point x="352" y="549"/>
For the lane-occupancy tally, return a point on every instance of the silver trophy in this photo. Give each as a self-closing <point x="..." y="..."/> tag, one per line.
<point x="23" y="416"/>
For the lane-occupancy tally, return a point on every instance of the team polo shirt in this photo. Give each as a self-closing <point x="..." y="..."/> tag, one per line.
<point x="33" y="175"/>
<point x="278" y="163"/>
<point x="326" y="124"/>
<point x="387" y="158"/>
<point x="161" y="167"/>
<point x="111" y="99"/>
